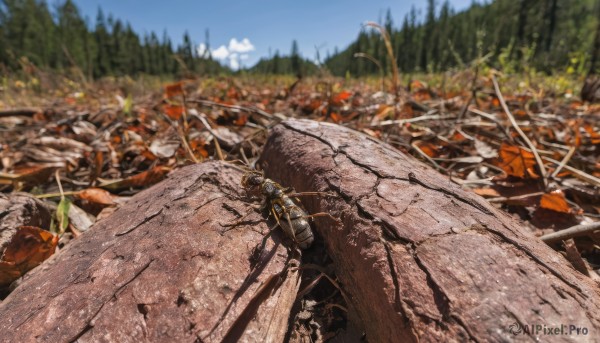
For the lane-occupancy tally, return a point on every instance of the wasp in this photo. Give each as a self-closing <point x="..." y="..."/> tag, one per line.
<point x="285" y="207"/>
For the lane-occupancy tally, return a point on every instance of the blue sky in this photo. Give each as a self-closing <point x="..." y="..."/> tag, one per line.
<point x="259" y="27"/>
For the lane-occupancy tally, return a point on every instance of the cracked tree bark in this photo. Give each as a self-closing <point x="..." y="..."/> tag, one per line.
<point x="422" y="259"/>
<point x="162" y="268"/>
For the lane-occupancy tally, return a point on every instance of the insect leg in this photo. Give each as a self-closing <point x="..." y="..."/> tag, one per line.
<point x="323" y="214"/>
<point x="286" y="214"/>
<point x="264" y="240"/>
<point x="300" y="194"/>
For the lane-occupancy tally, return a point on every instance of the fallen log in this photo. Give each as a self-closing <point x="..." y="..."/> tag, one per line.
<point x="164" y="267"/>
<point x="422" y="259"/>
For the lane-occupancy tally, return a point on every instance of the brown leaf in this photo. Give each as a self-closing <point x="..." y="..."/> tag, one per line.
<point x="142" y="179"/>
<point x="174" y="111"/>
<point x="173" y="89"/>
<point x="97" y="196"/>
<point x="429" y="149"/>
<point x="29" y="247"/>
<point x="35" y="174"/>
<point x="516" y="161"/>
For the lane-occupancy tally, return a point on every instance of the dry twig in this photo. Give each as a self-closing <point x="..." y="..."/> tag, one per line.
<point x="521" y="133"/>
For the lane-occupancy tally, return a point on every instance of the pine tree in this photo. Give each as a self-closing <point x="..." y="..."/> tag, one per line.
<point x="71" y="36"/>
<point x="295" y="60"/>
<point x="102" y="66"/>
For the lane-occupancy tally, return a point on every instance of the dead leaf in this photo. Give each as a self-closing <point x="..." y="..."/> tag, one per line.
<point x="339" y="98"/>
<point x="336" y="117"/>
<point x="61" y="143"/>
<point x="164" y="148"/>
<point x="429" y="149"/>
<point x="173" y="89"/>
<point x="174" y="111"/>
<point x="384" y="111"/>
<point x="29" y="247"/>
<point x="142" y="179"/>
<point x="555" y="201"/>
<point x="35" y="174"/>
<point x="97" y="196"/>
<point x="79" y="219"/>
<point x="517" y="161"/>
<point x="422" y="95"/>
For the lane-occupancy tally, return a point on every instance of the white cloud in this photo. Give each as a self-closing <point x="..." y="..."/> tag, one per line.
<point x="220" y="53"/>
<point x="235" y="53"/>
<point x="234" y="61"/>
<point x="234" y="64"/>
<point x="241" y="47"/>
<point x="202" y="49"/>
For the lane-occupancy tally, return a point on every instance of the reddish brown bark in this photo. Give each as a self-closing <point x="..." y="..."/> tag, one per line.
<point x="422" y="259"/>
<point x="163" y="268"/>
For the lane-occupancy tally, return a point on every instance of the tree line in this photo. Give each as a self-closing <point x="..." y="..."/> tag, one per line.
<point x="279" y="64"/>
<point x="64" y="40"/>
<point x="513" y="35"/>
<point x="545" y="35"/>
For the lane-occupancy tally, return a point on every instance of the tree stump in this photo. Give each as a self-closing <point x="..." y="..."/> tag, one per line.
<point x="422" y="259"/>
<point x="163" y="268"/>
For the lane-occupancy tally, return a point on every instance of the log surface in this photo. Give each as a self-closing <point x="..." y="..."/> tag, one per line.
<point x="163" y="268"/>
<point x="422" y="259"/>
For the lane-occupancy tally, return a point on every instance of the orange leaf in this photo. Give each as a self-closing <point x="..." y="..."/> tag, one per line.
<point x="174" y="111"/>
<point x="97" y="166"/>
<point x="97" y="196"/>
<point x="520" y="113"/>
<point x="29" y="247"/>
<point x="198" y="146"/>
<point x="429" y="149"/>
<point x="173" y="89"/>
<point x="555" y="201"/>
<point x="313" y="105"/>
<point x="336" y="117"/>
<point x="594" y="136"/>
<point x="241" y="120"/>
<point x="516" y="161"/>
<point x="148" y="177"/>
<point x="339" y="98"/>
<point x="422" y="95"/>
<point x="416" y="84"/>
